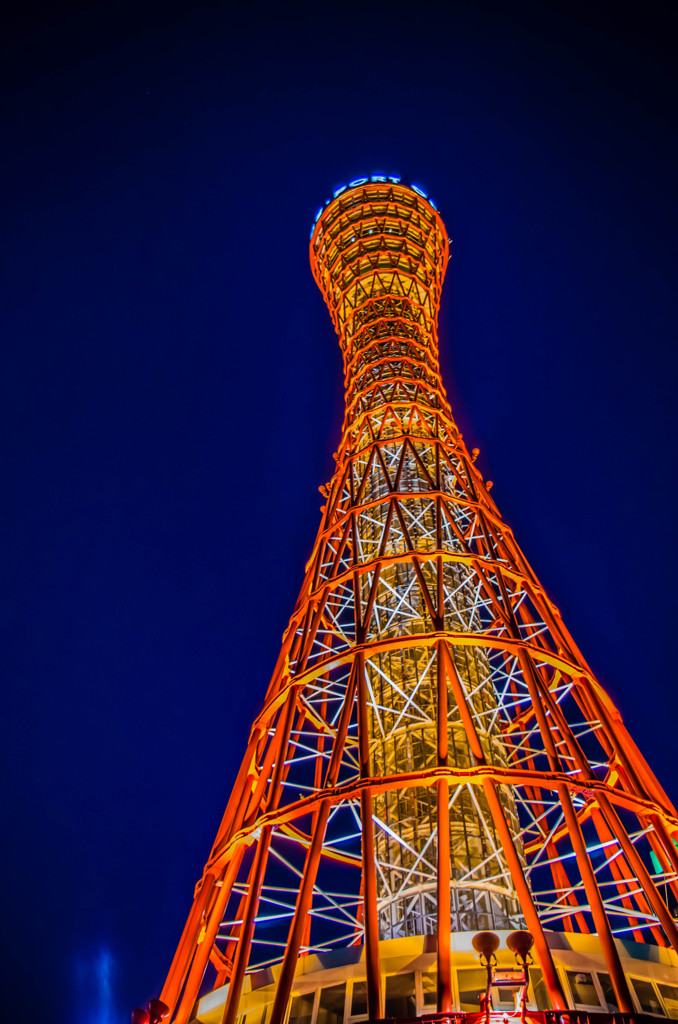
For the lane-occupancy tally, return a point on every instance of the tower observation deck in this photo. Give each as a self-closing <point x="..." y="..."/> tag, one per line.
<point x="434" y="757"/>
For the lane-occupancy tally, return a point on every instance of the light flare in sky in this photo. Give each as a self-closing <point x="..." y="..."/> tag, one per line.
<point x="94" y="977"/>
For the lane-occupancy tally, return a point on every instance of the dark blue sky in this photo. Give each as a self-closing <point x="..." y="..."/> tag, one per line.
<point x="171" y="395"/>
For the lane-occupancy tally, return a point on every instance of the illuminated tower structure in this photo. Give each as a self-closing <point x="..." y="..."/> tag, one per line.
<point x="434" y="756"/>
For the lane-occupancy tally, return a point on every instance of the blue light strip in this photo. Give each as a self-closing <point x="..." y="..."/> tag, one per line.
<point x="377" y="178"/>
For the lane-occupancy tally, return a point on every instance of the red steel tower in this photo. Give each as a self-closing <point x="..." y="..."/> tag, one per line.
<point x="434" y="757"/>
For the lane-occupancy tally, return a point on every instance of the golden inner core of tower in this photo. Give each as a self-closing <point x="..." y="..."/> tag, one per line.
<point x="380" y="257"/>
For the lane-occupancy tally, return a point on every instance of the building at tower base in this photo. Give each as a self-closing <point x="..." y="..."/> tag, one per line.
<point x="331" y="988"/>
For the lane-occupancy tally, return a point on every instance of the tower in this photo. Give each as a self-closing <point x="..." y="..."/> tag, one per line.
<point x="434" y="757"/>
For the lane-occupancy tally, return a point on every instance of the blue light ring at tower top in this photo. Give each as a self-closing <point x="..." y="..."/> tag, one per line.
<point x="355" y="194"/>
<point x="377" y="179"/>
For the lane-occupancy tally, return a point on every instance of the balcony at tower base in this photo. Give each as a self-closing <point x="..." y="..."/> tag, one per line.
<point x="330" y="988"/>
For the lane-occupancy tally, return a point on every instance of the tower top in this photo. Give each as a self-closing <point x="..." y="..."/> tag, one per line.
<point x="376" y="242"/>
<point x="376" y="179"/>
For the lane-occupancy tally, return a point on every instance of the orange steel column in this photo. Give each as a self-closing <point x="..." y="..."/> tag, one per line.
<point x="369" y="872"/>
<point x="444" y="987"/>
<point x="433" y="747"/>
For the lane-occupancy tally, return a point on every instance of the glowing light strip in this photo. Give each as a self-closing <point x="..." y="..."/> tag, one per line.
<point x="378" y="179"/>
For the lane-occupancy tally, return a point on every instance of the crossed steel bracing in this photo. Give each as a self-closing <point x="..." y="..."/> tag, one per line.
<point x="434" y="754"/>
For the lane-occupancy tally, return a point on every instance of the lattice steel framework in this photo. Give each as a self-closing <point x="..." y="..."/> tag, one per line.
<point x="434" y="753"/>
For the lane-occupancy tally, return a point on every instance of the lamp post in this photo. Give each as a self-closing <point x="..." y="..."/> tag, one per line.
<point x="156" y="1013"/>
<point x="520" y="943"/>
<point x="486" y="944"/>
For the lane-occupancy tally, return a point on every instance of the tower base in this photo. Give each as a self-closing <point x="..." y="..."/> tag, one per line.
<point x="330" y="988"/>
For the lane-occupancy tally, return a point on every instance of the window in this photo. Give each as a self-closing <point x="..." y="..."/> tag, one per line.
<point x="647" y="997"/>
<point x="400" y="996"/>
<point x="301" y="1009"/>
<point x="669" y="994"/>
<point x="471" y="984"/>
<point x="331" y="1005"/>
<point x="359" y="999"/>
<point x="608" y="993"/>
<point x="429" y="987"/>
<point x="504" y="997"/>
<point x="582" y="988"/>
<point x="540" y="996"/>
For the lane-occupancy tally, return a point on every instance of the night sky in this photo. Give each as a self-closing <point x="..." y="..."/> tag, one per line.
<point x="171" y="396"/>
